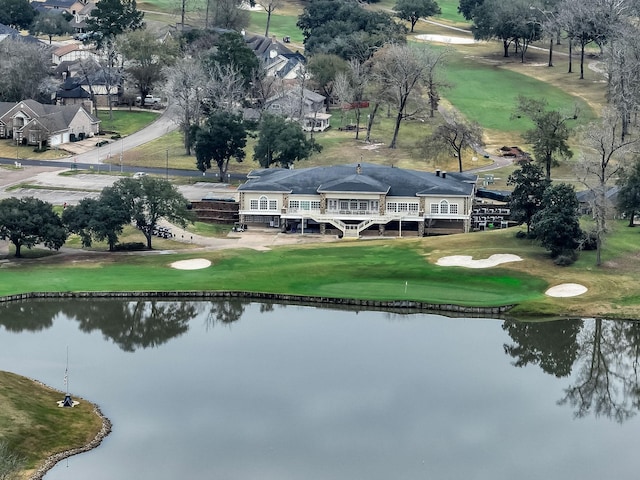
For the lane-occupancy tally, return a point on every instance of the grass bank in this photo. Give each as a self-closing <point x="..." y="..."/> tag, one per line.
<point x="35" y="427"/>
<point x="392" y="269"/>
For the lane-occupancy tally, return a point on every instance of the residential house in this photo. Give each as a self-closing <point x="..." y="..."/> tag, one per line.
<point x="71" y="52"/>
<point x="69" y="6"/>
<point x="31" y="123"/>
<point x="298" y="103"/>
<point x="586" y="199"/>
<point x="13" y="34"/>
<point x="102" y="85"/>
<point x="278" y="60"/>
<point x="79" y="20"/>
<point x="355" y="200"/>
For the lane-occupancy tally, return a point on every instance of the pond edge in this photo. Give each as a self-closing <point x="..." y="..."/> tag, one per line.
<point x="305" y="299"/>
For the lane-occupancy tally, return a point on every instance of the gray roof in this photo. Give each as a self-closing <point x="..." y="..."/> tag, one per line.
<point x="58" y="119"/>
<point x="372" y="178"/>
<point x="588" y="196"/>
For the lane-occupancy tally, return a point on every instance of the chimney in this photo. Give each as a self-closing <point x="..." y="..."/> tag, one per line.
<point x="359" y="169"/>
<point x="444" y="174"/>
<point x="437" y="173"/>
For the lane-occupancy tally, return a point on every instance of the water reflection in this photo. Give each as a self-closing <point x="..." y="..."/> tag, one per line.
<point x="600" y="358"/>
<point x="603" y="355"/>
<point x="234" y="389"/>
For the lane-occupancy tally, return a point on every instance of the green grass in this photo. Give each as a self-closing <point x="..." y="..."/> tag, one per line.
<point x="376" y="271"/>
<point x="450" y="13"/>
<point x="35" y="427"/>
<point x="488" y="94"/>
<point x="125" y="122"/>
<point x="280" y="26"/>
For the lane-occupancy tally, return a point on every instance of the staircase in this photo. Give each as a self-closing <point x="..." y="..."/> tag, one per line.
<point x="351" y="230"/>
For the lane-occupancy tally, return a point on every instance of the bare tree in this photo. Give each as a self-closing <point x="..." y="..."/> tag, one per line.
<point x="269" y="6"/>
<point x="23" y="69"/>
<point x="186" y="88"/>
<point x="225" y="88"/>
<point x="604" y="156"/>
<point x="402" y="71"/>
<point x="623" y="73"/>
<point x="453" y="136"/>
<point x="263" y="87"/>
<point x="226" y="14"/>
<point x="350" y="87"/>
<point x="588" y="22"/>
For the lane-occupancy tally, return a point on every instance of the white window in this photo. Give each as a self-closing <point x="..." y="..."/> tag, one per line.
<point x="363" y="205"/>
<point x="332" y="204"/>
<point x="413" y="207"/>
<point x="273" y="204"/>
<point x="392" y="207"/>
<point x="305" y="205"/>
<point x="435" y="208"/>
<point x="403" y="207"/>
<point x="453" y="208"/>
<point x="375" y="205"/>
<point x="315" y="205"/>
<point x="353" y="205"/>
<point x="344" y="205"/>
<point x="263" y="203"/>
<point x="294" y="204"/>
<point x="254" y="204"/>
<point x="444" y="206"/>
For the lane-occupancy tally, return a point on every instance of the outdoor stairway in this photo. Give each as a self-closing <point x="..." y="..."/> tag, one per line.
<point x="351" y="230"/>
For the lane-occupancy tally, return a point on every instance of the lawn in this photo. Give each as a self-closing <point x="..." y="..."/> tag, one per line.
<point x="35" y="427"/>
<point x="125" y="122"/>
<point x="388" y="269"/>
<point x="280" y="26"/>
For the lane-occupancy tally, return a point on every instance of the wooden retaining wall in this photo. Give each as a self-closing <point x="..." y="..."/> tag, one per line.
<point x="407" y="305"/>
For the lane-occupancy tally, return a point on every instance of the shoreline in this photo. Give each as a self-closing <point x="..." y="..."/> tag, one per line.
<point x="411" y="305"/>
<point x="56" y="458"/>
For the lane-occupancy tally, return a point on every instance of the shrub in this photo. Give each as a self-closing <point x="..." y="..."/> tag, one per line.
<point x="588" y="241"/>
<point x="130" y="247"/>
<point x="566" y="258"/>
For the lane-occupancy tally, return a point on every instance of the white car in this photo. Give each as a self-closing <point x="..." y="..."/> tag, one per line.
<point x="139" y="175"/>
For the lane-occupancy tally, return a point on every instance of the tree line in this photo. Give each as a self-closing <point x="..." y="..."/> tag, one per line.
<point x="27" y="222"/>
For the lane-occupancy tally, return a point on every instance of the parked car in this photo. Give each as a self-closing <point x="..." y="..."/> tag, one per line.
<point x="149" y="100"/>
<point x="139" y="175"/>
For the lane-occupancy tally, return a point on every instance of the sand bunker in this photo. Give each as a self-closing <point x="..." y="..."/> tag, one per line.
<point x="446" y="39"/>
<point x="566" y="290"/>
<point x="469" y="262"/>
<point x="193" y="264"/>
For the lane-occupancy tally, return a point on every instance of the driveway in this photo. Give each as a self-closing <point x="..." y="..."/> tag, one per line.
<point x="89" y="153"/>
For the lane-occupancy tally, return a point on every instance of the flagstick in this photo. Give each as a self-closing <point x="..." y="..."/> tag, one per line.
<point x="66" y="372"/>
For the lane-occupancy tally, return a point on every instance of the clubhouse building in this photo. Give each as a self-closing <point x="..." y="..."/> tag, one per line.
<point x="358" y="199"/>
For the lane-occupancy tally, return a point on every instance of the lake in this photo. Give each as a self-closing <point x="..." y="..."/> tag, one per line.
<point x="239" y="390"/>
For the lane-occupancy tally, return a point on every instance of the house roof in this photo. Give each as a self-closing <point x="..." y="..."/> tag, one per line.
<point x="308" y="96"/>
<point x="263" y="46"/>
<point x="77" y="92"/>
<point x="65" y="49"/>
<point x="58" y="119"/>
<point x="8" y="32"/>
<point x="370" y="179"/>
<point x="100" y="77"/>
<point x="58" y="3"/>
<point x="53" y="117"/>
<point x="588" y="196"/>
